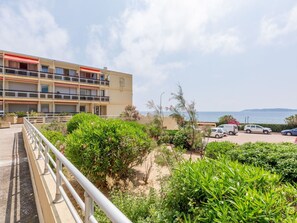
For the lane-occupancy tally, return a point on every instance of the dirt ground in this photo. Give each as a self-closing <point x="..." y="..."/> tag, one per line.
<point x="157" y="172"/>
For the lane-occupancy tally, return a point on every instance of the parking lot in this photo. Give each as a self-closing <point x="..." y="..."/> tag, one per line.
<point x="243" y="137"/>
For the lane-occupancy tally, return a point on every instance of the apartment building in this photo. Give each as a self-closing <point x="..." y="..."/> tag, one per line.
<point x="30" y="83"/>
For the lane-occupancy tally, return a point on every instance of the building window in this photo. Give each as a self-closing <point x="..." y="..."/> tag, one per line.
<point x="59" y="70"/>
<point x="45" y="108"/>
<point x="72" y="72"/>
<point x="93" y="76"/>
<point x="44" y="88"/>
<point x="13" y="64"/>
<point x="23" y="66"/>
<point x="85" y="91"/>
<point x="82" y="108"/>
<point x="44" y="68"/>
<point x="102" y="93"/>
<point x="101" y="77"/>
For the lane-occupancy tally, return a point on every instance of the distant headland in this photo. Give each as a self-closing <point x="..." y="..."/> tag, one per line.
<point x="269" y="110"/>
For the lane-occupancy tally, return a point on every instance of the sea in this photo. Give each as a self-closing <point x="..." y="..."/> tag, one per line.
<point x="248" y="116"/>
<point x="264" y="117"/>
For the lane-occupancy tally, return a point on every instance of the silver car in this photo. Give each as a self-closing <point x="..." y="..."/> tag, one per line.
<point x="216" y="132"/>
<point x="257" y="129"/>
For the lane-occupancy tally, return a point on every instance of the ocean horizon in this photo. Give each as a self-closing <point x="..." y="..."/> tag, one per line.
<point x="247" y="116"/>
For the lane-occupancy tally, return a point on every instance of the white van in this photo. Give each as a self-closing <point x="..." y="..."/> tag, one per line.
<point x="231" y="129"/>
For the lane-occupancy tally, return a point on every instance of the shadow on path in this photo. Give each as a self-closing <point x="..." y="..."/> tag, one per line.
<point x="20" y="198"/>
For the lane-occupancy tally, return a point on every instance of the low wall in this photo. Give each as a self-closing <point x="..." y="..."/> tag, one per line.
<point x="44" y="189"/>
<point x="169" y="122"/>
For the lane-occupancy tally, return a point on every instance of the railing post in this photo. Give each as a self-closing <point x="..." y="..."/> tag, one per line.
<point x="89" y="207"/>
<point x="58" y="180"/>
<point x="34" y="139"/>
<point x="46" y="160"/>
<point x="38" y="146"/>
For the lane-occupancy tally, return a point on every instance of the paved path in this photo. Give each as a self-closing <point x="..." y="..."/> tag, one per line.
<point x="243" y="137"/>
<point x="17" y="203"/>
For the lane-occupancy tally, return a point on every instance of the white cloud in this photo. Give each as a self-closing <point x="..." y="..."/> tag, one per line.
<point x="280" y="28"/>
<point x="28" y="27"/>
<point x="95" y="52"/>
<point x="147" y="30"/>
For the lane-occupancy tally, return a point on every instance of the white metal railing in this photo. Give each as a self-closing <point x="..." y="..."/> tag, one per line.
<point x="47" y="75"/>
<point x="91" y="194"/>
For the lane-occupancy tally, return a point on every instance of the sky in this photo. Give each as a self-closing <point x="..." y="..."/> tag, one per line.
<point x="227" y="55"/>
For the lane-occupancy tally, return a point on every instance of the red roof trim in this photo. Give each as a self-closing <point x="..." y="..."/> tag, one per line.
<point x="21" y="58"/>
<point x="92" y="70"/>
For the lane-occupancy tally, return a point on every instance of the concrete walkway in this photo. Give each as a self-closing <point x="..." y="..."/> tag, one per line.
<point x="17" y="203"/>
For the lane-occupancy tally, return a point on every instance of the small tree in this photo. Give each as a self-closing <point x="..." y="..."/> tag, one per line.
<point x="130" y="113"/>
<point x="156" y="127"/>
<point x="291" y="120"/>
<point x="228" y="119"/>
<point x="186" y="111"/>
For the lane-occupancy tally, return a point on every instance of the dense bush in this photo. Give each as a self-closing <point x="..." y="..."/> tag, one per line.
<point x="278" y="158"/>
<point x="53" y="136"/>
<point x="139" y="208"/>
<point x="55" y="126"/>
<point x="167" y="136"/>
<point x="181" y="139"/>
<point x="216" y="149"/>
<point x="77" y="119"/>
<point x="107" y="148"/>
<point x="226" y="191"/>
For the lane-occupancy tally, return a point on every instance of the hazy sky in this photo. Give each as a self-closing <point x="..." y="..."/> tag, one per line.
<point x="227" y="55"/>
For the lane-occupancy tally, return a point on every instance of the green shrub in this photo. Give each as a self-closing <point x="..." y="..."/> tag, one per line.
<point x="77" y="119"/>
<point x="181" y="139"/>
<point x="139" y="208"/>
<point x="107" y="148"/>
<point x="55" y="126"/>
<point x="225" y="191"/>
<point x="55" y="137"/>
<point x="21" y="114"/>
<point x="279" y="158"/>
<point x="216" y="149"/>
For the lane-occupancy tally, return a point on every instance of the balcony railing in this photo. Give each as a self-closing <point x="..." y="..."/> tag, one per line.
<point x="51" y="95"/>
<point x="52" y="76"/>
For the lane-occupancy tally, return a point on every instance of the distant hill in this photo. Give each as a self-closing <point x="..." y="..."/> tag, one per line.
<point x="269" y="110"/>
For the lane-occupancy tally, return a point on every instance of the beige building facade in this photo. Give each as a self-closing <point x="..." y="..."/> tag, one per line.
<point x="29" y="83"/>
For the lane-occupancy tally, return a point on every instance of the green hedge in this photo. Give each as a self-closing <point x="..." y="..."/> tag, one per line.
<point x="280" y="158"/>
<point x="225" y="191"/>
<point x="215" y="150"/>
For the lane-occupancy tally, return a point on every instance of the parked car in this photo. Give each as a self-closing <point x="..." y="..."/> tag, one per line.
<point x="225" y="133"/>
<point x="231" y="129"/>
<point x="289" y="132"/>
<point x="257" y="129"/>
<point x="216" y="133"/>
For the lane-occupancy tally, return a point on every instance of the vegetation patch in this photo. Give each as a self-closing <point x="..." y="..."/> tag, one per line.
<point x="78" y="119"/>
<point x="107" y="148"/>
<point x="226" y="191"/>
<point x="278" y="158"/>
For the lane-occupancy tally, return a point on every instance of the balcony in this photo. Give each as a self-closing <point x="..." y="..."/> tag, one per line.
<point x="20" y="72"/>
<point x="51" y="95"/>
<point x="52" y="76"/>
